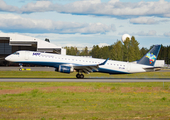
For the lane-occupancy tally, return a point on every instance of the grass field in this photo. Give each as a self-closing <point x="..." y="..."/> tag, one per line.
<point x="53" y="74"/>
<point x="83" y="101"/>
<point x="88" y="101"/>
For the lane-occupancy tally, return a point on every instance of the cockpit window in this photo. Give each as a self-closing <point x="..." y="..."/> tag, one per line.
<point x="16" y="53"/>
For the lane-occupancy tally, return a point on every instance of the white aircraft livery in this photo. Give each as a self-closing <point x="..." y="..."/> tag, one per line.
<point x="68" y="63"/>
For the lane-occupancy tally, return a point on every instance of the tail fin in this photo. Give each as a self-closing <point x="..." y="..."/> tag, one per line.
<point x="150" y="58"/>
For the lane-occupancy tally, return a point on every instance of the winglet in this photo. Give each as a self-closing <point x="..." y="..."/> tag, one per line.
<point x="104" y="62"/>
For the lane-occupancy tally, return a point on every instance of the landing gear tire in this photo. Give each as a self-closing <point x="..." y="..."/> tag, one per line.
<point x="80" y="76"/>
<point x="20" y="69"/>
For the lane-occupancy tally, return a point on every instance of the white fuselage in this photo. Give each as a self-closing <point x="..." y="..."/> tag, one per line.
<point x="54" y="60"/>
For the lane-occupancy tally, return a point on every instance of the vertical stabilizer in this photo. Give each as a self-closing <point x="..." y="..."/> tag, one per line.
<point x="150" y="57"/>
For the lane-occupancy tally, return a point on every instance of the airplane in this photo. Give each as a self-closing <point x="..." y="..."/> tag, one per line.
<point x="69" y="64"/>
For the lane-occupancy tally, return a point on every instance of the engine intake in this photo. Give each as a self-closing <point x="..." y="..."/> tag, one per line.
<point x="65" y="69"/>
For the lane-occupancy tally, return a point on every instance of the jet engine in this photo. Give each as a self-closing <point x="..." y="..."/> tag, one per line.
<point x="65" y="69"/>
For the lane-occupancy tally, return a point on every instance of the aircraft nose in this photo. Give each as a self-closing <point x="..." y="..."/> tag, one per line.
<point x="8" y="58"/>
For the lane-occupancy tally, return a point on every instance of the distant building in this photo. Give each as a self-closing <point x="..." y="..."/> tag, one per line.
<point x="160" y="63"/>
<point x="10" y="43"/>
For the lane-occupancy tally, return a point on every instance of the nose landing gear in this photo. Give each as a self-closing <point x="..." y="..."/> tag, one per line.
<point x="80" y="76"/>
<point x="20" y="69"/>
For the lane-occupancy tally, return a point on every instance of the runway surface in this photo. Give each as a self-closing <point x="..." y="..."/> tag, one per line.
<point x="32" y="68"/>
<point x="16" y="68"/>
<point x="82" y="80"/>
<point x="73" y="80"/>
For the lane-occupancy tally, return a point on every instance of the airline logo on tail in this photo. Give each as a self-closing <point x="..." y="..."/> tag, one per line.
<point x="151" y="57"/>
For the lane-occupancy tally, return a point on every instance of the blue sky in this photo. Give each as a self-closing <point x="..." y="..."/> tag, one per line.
<point x="83" y="23"/>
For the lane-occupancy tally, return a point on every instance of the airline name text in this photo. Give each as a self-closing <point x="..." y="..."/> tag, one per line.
<point x="42" y="55"/>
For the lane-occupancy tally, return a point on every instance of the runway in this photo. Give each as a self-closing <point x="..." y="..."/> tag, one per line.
<point x="32" y="68"/>
<point x="83" y="80"/>
<point x="16" y="68"/>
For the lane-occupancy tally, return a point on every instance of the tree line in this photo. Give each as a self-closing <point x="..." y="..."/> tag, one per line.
<point x="127" y="51"/>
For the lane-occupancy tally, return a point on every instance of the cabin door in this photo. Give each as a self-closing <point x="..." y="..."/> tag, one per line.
<point x="26" y="55"/>
<point x="128" y="66"/>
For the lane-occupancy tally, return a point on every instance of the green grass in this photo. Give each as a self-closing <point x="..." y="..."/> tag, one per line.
<point x="52" y="74"/>
<point x="88" y="101"/>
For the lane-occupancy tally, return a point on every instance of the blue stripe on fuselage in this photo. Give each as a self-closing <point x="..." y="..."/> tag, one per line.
<point x="104" y="70"/>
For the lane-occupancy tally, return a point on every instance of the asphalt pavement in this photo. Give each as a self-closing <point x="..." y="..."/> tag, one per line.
<point x="73" y="80"/>
<point x="32" y="68"/>
<point x="109" y="80"/>
<point x="46" y="69"/>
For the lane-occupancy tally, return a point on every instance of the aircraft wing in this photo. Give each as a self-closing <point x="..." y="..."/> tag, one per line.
<point x="89" y="68"/>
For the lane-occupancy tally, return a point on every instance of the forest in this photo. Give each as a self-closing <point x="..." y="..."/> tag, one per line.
<point x="122" y="51"/>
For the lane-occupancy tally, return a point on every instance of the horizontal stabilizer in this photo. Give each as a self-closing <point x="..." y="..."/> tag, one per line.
<point x="152" y="69"/>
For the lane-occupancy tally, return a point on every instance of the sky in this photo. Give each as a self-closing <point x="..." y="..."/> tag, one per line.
<point x="83" y="23"/>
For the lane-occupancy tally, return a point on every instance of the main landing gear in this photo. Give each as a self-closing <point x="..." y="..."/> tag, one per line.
<point x="80" y="76"/>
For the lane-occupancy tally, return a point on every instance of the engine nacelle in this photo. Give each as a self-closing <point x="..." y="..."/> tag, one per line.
<point x="65" y="69"/>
